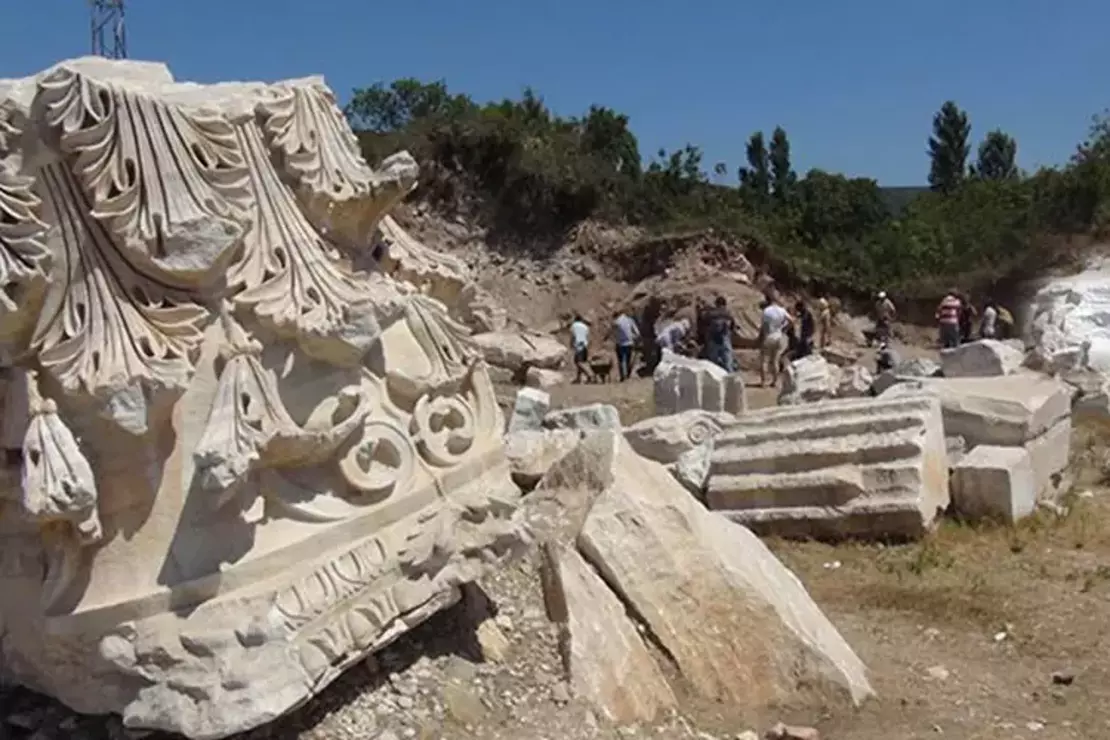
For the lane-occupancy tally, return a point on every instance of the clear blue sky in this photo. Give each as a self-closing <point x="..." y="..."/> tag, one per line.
<point x="854" y="82"/>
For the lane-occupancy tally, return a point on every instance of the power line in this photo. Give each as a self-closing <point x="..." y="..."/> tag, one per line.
<point x="109" y="37"/>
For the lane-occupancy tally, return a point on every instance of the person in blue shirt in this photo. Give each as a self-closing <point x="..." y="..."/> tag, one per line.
<point x="625" y="335"/>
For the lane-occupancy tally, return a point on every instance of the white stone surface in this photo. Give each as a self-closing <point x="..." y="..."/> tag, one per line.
<point x="1005" y="411"/>
<point x="538" y="377"/>
<point x="811" y="378"/>
<point x="739" y="625"/>
<point x="995" y="483"/>
<point x="532" y="452"/>
<point x="1024" y="410"/>
<point x="979" y="359"/>
<point x="585" y="418"/>
<point x="604" y="656"/>
<point x="666" y="438"/>
<point x="691" y="469"/>
<point x="247" y="462"/>
<point x="684" y="383"/>
<point x="529" y="410"/>
<point x="514" y="350"/>
<point x="860" y="467"/>
<point x="855" y="382"/>
<point x="1067" y="312"/>
<point x="841" y="355"/>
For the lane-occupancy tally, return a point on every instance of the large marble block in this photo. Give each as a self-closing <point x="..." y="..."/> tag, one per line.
<point x="236" y="464"/>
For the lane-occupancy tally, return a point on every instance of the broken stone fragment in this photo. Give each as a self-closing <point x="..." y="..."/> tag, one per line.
<point x="584" y="418"/>
<point x="529" y="410"/>
<point x="532" y="452"/>
<point x="995" y="483"/>
<point x="985" y="357"/>
<point x="740" y="627"/>
<point x="606" y="661"/>
<point x="515" y="350"/>
<point x="869" y="468"/>
<point x="1023" y="410"/>
<point x="665" y="439"/>
<point x="812" y="378"/>
<point x="684" y="383"/>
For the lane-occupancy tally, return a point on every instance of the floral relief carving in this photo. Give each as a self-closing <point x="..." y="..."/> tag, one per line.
<point x="305" y="125"/>
<point x="249" y="427"/>
<point x="444" y="428"/>
<point x="292" y="278"/>
<point x="58" y="482"/>
<point x="380" y="461"/>
<point x="23" y="251"/>
<point x="169" y="183"/>
<point x="320" y="155"/>
<point x="408" y="259"/>
<point x="105" y="326"/>
<point x="446" y="345"/>
<point x="306" y="458"/>
<point x="58" y="491"/>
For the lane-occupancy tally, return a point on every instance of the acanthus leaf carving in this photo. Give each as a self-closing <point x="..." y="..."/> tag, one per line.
<point x="446" y="344"/>
<point x="107" y="329"/>
<point x="249" y="426"/>
<point x="169" y="183"/>
<point x="320" y="154"/>
<point x="293" y="279"/>
<point x="23" y="249"/>
<point x="407" y="258"/>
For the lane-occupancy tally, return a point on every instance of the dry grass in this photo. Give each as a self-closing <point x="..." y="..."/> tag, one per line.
<point x="1000" y="608"/>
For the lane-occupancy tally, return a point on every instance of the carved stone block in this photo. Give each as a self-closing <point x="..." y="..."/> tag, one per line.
<point x="244" y="449"/>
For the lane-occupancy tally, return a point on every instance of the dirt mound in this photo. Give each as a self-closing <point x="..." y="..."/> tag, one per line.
<point x="600" y="269"/>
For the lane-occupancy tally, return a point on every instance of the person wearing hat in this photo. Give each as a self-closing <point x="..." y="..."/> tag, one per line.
<point x="824" y="322"/>
<point x="884" y="316"/>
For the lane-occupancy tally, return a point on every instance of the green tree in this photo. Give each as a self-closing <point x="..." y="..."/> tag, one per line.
<point x="755" y="179"/>
<point x="384" y="109"/>
<point x="949" y="148"/>
<point x="997" y="157"/>
<point x="606" y="136"/>
<point x="832" y="204"/>
<point x="783" y="178"/>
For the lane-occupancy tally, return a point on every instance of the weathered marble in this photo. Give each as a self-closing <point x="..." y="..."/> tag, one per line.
<point x="237" y="464"/>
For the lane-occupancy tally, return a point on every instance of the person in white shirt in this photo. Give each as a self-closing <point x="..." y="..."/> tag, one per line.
<point x="988" y="328"/>
<point x="773" y="341"/>
<point x="672" y="334"/>
<point x="580" y="344"/>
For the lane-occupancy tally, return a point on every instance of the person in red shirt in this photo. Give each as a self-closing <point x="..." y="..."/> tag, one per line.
<point x="948" y="319"/>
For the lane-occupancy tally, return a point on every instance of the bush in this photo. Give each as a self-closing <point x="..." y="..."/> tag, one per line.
<point x="532" y="173"/>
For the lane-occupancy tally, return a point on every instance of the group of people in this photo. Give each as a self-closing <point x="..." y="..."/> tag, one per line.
<point x="783" y="336"/>
<point x="626" y="337"/>
<point x="956" y="316"/>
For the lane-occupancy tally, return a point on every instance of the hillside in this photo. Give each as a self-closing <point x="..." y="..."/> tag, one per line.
<point x="529" y="176"/>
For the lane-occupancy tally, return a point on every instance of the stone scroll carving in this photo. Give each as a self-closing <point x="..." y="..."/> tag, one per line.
<point x="245" y="447"/>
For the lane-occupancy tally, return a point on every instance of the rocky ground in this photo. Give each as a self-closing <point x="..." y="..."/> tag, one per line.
<point x="982" y="632"/>
<point x="976" y="632"/>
